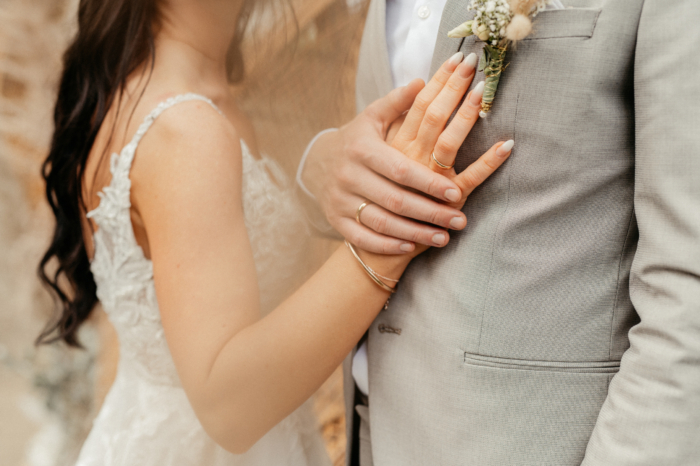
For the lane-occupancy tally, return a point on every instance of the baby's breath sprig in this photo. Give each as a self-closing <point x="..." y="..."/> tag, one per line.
<point x="498" y="23"/>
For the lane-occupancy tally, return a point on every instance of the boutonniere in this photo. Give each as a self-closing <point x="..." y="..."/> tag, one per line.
<point x="499" y="23"/>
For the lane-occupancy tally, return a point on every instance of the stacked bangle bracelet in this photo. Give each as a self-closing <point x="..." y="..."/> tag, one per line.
<point x="372" y="274"/>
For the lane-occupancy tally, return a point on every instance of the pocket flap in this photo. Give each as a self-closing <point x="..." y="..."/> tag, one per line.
<point x="570" y="22"/>
<point x="600" y="367"/>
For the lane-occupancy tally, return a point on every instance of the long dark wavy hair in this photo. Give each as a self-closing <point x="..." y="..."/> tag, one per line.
<point x="114" y="39"/>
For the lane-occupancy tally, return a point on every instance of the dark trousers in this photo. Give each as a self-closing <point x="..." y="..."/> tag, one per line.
<point x="362" y="442"/>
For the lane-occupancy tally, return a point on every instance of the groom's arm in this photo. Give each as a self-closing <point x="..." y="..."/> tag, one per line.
<point x="652" y="413"/>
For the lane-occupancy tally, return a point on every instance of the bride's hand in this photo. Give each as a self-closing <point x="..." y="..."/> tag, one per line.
<point x="424" y="137"/>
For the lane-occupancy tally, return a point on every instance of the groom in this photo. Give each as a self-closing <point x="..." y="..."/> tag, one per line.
<point x="562" y="326"/>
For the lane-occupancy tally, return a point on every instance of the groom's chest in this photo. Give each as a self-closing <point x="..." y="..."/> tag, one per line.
<point x="559" y="212"/>
<point x="566" y="95"/>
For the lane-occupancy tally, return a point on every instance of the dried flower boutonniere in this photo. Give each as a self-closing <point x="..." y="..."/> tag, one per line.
<point x="498" y="23"/>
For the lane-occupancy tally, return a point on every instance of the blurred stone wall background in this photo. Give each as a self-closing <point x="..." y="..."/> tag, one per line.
<point x="300" y="81"/>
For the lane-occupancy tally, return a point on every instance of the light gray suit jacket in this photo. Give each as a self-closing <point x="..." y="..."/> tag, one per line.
<point x="563" y="325"/>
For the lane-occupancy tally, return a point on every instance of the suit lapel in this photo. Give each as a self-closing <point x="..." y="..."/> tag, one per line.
<point x="377" y="14"/>
<point x="454" y="14"/>
<point x="374" y="79"/>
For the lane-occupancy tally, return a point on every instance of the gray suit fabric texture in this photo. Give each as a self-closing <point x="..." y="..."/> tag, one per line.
<point x="562" y="327"/>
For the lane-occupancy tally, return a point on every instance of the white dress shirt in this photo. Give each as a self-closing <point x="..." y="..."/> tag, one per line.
<point x="411" y="32"/>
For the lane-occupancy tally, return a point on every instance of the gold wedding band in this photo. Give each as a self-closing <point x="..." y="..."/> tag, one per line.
<point x="439" y="164"/>
<point x="359" y="212"/>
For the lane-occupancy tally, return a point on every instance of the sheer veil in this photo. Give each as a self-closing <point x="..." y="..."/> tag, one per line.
<point x="300" y="79"/>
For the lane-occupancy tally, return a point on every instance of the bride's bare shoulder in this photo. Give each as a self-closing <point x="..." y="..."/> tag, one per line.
<point x="191" y="123"/>
<point x="189" y="161"/>
<point x="187" y="136"/>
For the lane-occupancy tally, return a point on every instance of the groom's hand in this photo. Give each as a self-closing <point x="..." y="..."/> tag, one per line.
<point x="355" y="164"/>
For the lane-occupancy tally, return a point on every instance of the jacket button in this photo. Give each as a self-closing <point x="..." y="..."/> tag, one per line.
<point x="386" y="329"/>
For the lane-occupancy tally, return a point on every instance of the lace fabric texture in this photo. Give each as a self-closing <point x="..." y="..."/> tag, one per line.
<point x="146" y="418"/>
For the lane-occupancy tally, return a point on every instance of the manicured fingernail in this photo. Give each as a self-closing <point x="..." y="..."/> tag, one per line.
<point x="455" y="59"/>
<point x="505" y="148"/>
<point x="468" y="66"/>
<point x="439" y="239"/>
<point x="471" y="60"/>
<point x="457" y="222"/>
<point x="452" y="195"/>
<point x="406" y="247"/>
<point x="476" y="94"/>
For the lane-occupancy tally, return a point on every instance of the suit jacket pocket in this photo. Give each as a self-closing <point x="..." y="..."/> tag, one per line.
<point x="583" y="367"/>
<point x="570" y="22"/>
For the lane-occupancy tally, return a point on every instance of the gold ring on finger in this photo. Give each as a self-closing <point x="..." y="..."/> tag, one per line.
<point x="440" y="164"/>
<point x="359" y="212"/>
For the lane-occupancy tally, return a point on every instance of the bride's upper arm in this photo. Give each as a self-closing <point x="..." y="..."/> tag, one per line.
<point x="187" y="186"/>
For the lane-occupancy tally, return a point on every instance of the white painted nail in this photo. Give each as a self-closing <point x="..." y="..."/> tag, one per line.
<point x="476" y="94"/>
<point x="471" y="60"/>
<point x="505" y="148"/>
<point x="456" y="59"/>
<point x="466" y="69"/>
<point x="452" y="195"/>
<point x="439" y="239"/>
<point x="406" y="247"/>
<point x="457" y="222"/>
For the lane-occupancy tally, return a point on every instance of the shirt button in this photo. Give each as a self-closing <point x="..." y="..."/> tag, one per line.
<point x="424" y="12"/>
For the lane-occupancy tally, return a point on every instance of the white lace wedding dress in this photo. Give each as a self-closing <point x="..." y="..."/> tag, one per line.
<point x="146" y="418"/>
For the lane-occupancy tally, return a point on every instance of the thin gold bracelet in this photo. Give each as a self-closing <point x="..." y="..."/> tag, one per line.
<point x="372" y="274"/>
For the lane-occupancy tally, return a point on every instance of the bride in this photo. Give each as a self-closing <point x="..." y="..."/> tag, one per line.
<point x="165" y="213"/>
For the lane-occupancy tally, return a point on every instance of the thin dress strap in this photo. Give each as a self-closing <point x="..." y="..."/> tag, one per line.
<point x="130" y="149"/>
